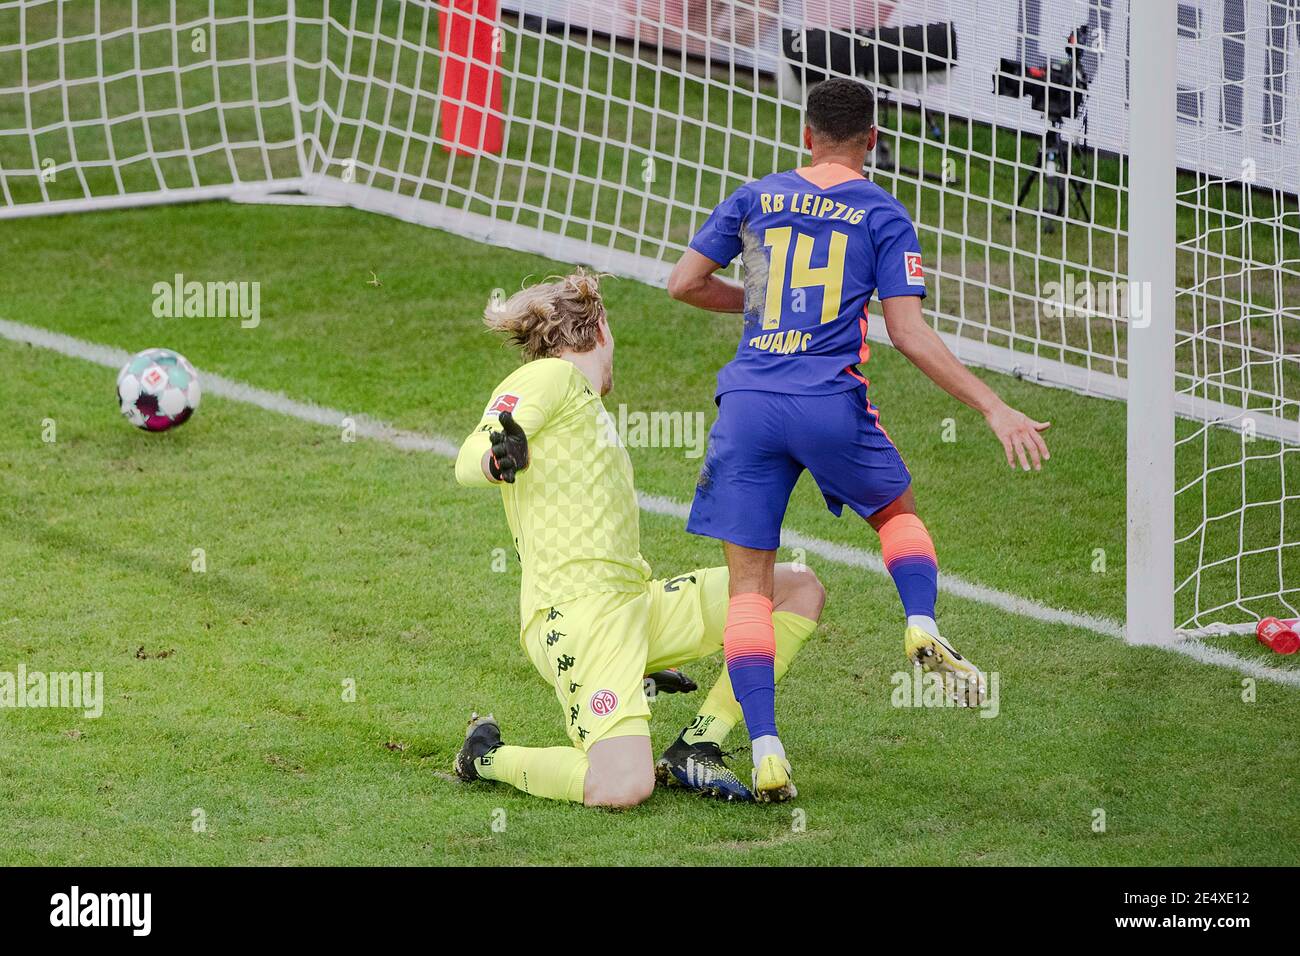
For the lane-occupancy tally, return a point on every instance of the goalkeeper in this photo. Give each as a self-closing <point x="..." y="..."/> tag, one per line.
<point x="592" y="620"/>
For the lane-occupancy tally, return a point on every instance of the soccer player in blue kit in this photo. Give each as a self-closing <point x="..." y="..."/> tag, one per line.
<point x="815" y="243"/>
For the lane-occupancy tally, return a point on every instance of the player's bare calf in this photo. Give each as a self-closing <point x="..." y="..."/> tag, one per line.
<point x="621" y="774"/>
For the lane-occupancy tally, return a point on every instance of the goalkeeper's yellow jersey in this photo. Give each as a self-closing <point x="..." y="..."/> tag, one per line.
<point x="573" y="511"/>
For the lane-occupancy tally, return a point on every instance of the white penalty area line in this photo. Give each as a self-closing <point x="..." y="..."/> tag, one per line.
<point x="374" y="429"/>
<point x="1002" y="600"/>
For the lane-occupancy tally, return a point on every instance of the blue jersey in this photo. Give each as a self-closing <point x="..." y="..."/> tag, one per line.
<point x="815" y="244"/>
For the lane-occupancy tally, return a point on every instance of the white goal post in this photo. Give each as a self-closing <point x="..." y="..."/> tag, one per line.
<point x="1149" y="557"/>
<point x="1105" y="190"/>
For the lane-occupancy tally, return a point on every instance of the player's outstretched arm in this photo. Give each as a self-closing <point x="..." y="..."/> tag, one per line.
<point x="489" y="456"/>
<point x="912" y="336"/>
<point x="472" y="461"/>
<point x="693" y="281"/>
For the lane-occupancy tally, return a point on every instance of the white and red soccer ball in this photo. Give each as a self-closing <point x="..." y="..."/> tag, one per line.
<point x="157" y="390"/>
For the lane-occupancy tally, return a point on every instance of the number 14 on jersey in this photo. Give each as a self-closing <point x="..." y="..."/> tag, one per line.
<point x="800" y="273"/>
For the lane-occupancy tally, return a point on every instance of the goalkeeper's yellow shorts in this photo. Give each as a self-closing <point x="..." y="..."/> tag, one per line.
<point x="596" y="650"/>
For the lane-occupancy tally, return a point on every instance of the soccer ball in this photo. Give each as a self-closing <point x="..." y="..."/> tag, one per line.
<point x="157" y="390"/>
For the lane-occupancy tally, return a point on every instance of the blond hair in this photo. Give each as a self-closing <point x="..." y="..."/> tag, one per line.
<point x="562" y="314"/>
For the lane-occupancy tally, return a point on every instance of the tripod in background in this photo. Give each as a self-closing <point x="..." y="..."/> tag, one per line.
<point x="1058" y="90"/>
<point x="1054" y="162"/>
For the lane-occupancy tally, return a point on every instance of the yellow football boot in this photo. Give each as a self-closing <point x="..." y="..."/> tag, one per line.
<point x="772" y="780"/>
<point x="963" y="681"/>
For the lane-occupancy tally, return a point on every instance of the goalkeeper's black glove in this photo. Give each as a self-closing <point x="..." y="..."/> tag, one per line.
<point x="671" y="681"/>
<point x="509" y="450"/>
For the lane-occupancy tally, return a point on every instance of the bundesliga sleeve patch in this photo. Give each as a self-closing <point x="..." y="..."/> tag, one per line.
<point x="504" y="403"/>
<point x="915" y="274"/>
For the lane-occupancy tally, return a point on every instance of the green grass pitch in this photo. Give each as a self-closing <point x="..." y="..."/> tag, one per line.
<point x="333" y="564"/>
<point x="329" y="561"/>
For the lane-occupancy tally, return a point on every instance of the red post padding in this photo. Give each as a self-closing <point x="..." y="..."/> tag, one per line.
<point x="470" y="82"/>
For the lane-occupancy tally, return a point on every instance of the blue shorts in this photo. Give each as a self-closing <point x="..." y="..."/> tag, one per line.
<point x="762" y="442"/>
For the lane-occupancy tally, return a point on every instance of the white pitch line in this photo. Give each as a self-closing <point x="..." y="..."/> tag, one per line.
<point x="949" y="583"/>
<point x="1208" y="654"/>
<point x="214" y="384"/>
<point x="368" y="427"/>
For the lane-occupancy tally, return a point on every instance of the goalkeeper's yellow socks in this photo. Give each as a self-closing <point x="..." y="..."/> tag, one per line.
<point x="558" y="773"/>
<point x="721" y="711"/>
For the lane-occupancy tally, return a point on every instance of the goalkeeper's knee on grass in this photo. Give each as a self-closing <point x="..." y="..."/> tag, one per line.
<point x="618" y="771"/>
<point x="566" y="773"/>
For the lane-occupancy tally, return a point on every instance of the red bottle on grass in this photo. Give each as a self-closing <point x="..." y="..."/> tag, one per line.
<point x="1281" y="636"/>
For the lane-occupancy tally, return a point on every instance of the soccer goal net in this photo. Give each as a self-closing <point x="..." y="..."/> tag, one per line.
<point x="605" y="132"/>
<point x="1237" y="329"/>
